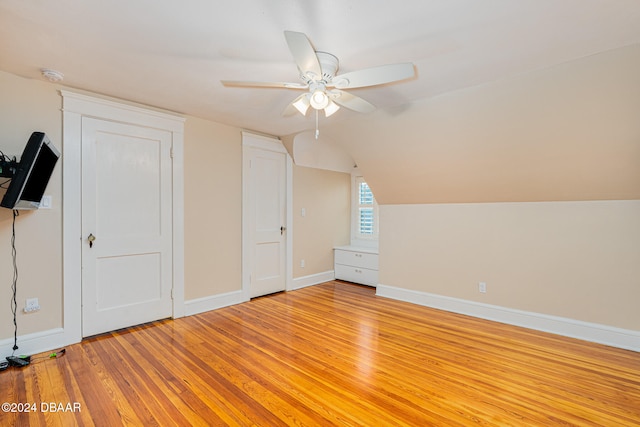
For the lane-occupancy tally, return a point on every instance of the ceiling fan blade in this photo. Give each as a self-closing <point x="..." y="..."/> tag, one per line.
<point x="242" y="83"/>
<point x="374" y="76"/>
<point x="351" y="102"/>
<point x="303" y="54"/>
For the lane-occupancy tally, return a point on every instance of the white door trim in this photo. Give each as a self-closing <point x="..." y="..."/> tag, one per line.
<point x="75" y="106"/>
<point x="251" y="140"/>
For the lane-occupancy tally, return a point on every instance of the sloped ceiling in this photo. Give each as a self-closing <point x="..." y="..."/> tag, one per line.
<point x="568" y="132"/>
<point x="172" y="55"/>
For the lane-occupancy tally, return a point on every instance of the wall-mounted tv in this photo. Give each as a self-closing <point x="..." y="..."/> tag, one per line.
<point x="32" y="174"/>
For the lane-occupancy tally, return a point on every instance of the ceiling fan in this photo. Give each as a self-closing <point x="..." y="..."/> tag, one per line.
<point x="324" y="89"/>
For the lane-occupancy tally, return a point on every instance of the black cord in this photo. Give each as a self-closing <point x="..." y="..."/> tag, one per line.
<point x="14" y="302"/>
<point x="53" y="355"/>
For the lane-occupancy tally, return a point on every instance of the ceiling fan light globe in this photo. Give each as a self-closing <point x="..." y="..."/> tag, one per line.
<point x="319" y="100"/>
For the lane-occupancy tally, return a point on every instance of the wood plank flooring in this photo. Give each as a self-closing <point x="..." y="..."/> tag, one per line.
<point x="332" y="354"/>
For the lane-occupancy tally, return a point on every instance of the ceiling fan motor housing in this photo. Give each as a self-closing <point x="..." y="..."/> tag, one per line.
<point x="328" y="65"/>
<point x="317" y="86"/>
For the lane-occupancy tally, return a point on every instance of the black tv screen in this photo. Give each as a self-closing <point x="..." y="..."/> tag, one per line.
<point x="32" y="174"/>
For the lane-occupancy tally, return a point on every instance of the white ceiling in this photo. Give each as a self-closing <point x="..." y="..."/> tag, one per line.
<point x="173" y="54"/>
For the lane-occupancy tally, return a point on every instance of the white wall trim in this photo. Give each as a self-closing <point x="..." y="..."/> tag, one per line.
<point x="312" y="279"/>
<point x="289" y="222"/>
<point x="594" y="332"/>
<point x="356" y="239"/>
<point x="37" y="342"/>
<point x="74" y="107"/>
<point x="177" y="228"/>
<point x="263" y="142"/>
<point x="120" y="112"/>
<point x="213" y="302"/>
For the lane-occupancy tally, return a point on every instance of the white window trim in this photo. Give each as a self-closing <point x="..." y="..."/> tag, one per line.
<point x="356" y="238"/>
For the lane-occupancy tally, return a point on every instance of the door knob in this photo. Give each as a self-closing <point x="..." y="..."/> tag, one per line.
<point x="91" y="238"/>
<point x="282" y="229"/>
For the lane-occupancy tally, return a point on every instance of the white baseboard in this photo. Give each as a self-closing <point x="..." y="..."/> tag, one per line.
<point x="602" y="334"/>
<point x="54" y="339"/>
<point x="38" y="342"/>
<point x="200" y="305"/>
<point x="313" y="279"/>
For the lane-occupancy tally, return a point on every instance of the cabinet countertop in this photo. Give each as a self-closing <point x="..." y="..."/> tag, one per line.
<point x="357" y="249"/>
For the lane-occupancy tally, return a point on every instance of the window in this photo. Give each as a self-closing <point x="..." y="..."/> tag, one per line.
<point x="365" y="224"/>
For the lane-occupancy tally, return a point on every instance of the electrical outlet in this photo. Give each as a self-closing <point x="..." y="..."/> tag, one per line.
<point x="31" y="305"/>
<point x="303" y="212"/>
<point x="45" y="202"/>
<point x="482" y="287"/>
<point x="301" y="263"/>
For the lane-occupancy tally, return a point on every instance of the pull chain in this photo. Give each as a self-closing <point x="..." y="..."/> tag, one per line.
<point x="317" y="130"/>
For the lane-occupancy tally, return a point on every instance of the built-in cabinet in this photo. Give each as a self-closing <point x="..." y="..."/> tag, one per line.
<point x="356" y="264"/>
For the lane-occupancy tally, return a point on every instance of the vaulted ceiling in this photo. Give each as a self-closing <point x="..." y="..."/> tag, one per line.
<point x="172" y="54"/>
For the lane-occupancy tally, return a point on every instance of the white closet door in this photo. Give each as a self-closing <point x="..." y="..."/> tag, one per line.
<point x="267" y="217"/>
<point x="126" y="225"/>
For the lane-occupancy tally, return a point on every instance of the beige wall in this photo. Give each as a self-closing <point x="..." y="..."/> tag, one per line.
<point x="213" y="208"/>
<point x="579" y="260"/>
<point x="325" y="195"/>
<point x="27" y="106"/>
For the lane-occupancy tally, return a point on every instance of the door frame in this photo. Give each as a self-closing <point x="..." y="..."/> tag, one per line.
<point x="254" y="141"/>
<point x="74" y="107"/>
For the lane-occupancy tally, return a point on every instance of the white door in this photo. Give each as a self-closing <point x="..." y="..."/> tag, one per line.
<point x="267" y="221"/>
<point x="126" y="225"/>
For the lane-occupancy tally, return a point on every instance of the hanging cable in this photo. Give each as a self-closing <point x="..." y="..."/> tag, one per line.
<point x="14" y="301"/>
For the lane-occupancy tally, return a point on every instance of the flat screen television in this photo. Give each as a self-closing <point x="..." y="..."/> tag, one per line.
<point x="32" y="174"/>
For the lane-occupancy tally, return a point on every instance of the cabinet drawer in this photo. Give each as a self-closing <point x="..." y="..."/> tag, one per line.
<point x="349" y="273"/>
<point x="356" y="259"/>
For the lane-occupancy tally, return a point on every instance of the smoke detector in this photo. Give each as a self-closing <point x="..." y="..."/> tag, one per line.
<point x="52" y="75"/>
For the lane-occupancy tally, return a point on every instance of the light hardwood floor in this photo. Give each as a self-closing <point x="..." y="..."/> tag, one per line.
<point x="332" y="354"/>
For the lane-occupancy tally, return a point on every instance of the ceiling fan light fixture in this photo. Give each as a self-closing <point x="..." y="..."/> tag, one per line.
<point x="331" y="108"/>
<point x="319" y="99"/>
<point x="302" y="105"/>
